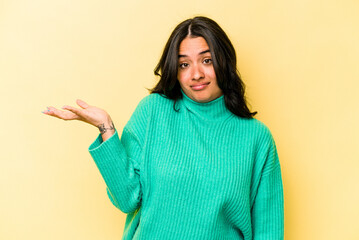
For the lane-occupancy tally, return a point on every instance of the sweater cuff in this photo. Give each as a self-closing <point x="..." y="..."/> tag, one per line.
<point x="99" y="147"/>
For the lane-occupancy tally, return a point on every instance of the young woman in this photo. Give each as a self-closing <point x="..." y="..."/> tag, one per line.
<point x="192" y="162"/>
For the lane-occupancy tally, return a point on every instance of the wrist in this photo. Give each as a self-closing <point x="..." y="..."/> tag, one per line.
<point x="106" y="126"/>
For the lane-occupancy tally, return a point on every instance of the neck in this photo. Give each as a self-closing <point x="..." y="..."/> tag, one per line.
<point x="210" y="111"/>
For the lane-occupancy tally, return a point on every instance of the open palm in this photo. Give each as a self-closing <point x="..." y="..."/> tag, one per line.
<point x="87" y="113"/>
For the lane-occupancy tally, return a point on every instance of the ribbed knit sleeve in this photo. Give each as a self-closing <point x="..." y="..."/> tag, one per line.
<point x="119" y="162"/>
<point x="267" y="210"/>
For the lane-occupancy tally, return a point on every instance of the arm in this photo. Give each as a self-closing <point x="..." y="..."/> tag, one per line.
<point x="267" y="209"/>
<point x="119" y="162"/>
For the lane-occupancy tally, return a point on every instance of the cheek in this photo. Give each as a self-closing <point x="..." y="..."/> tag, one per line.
<point x="211" y="74"/>
<point x="182" y="78"/>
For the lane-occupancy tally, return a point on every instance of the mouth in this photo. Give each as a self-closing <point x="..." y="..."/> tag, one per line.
<point x="200" y="86"/>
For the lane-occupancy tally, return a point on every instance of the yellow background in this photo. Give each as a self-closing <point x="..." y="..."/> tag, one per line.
<point x="298" y="58"/>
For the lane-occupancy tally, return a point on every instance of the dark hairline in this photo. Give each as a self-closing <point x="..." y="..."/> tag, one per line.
<point x="201" y="53"/>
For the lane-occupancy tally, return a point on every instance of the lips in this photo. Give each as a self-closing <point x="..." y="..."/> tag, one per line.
<point x="200" y="86"/>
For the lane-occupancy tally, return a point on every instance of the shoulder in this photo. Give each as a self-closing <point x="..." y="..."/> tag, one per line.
<point x="143" y="112"/>
<point x="154" y="104"/>
<point x="254" y="126"/>
<point x="261" y="128"/>
<point x="256" y="131"/>
<point x="265" y="143"/>
<point x="149" y="105"/>
<point x="264" y="133"/>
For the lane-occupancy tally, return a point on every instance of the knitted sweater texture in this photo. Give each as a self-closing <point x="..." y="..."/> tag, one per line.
<point x="201" y="173"/>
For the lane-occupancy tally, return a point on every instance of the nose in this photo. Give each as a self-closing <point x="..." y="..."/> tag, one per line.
<point x="197" y="73"/>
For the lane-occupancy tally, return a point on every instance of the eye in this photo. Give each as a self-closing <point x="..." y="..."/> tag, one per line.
<point x="207" y="61"/>
<point x="183" y="65"/>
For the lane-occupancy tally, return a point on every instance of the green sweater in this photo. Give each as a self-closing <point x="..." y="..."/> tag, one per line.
<point x="199" y="173"/>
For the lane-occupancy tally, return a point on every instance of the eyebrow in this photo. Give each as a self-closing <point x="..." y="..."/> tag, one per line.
<point x="203" y="52"/>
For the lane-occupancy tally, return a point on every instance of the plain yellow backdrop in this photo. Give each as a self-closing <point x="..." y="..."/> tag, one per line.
<point x="298" y="58"/>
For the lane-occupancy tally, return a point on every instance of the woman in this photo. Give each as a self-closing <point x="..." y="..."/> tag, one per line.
<point x="192" y="162"/>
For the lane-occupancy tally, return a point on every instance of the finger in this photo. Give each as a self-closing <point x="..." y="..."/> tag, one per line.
<point x="82" y="104"/>
<point x="64" y="115"/>
<point x="47" y="111"/>
<point x="76" y="111"/>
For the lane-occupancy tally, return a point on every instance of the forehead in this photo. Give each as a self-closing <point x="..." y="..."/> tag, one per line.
<point x="193" y="45"/>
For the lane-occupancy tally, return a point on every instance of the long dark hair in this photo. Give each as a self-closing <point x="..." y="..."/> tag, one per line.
<point x="224" y="62"/>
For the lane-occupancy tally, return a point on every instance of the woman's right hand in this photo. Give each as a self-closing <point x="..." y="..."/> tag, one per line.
<point x="87" y="113"/>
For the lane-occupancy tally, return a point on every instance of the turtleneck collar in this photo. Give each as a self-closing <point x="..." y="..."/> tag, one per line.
<point x="212" y="111"/>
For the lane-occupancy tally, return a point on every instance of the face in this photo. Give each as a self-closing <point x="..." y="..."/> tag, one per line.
<point x="195" y="71"/>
